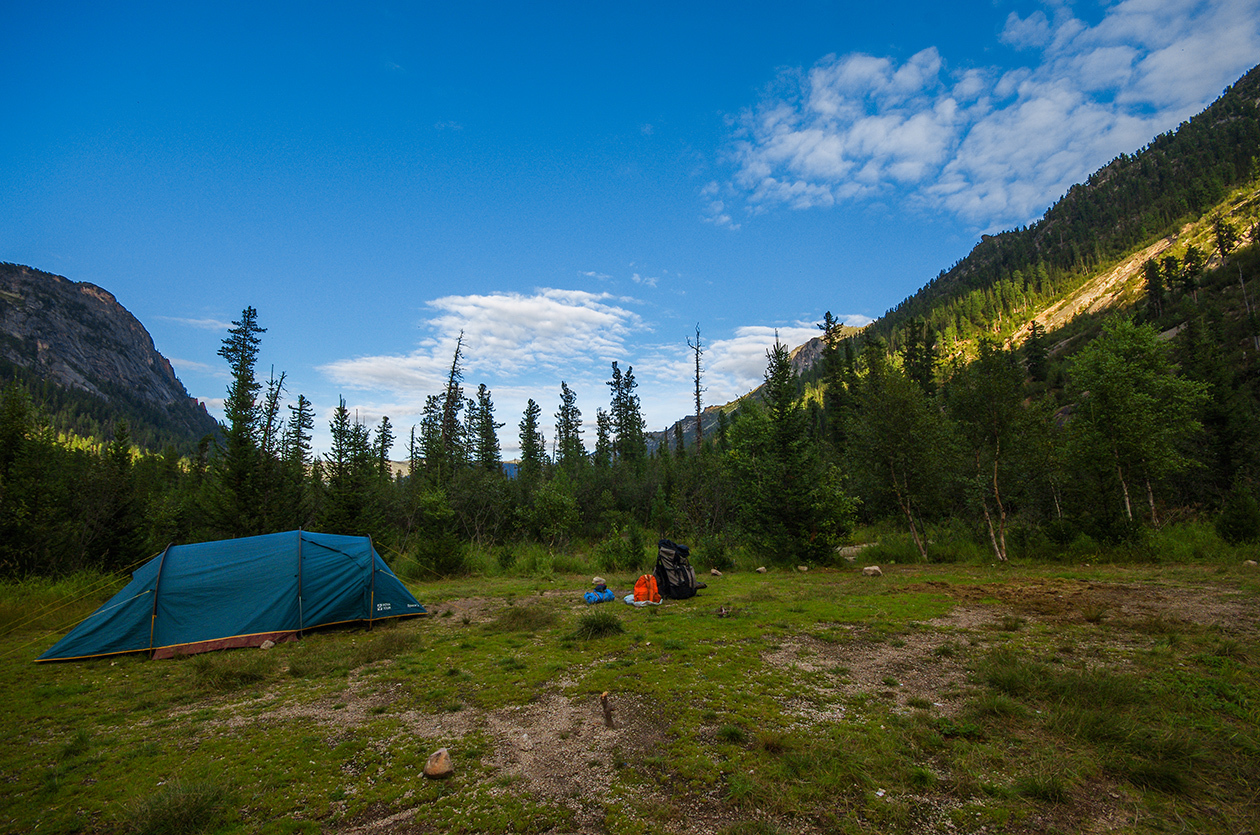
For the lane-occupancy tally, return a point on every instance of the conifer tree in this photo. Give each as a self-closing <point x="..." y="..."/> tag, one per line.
<point x="629" y="444"/>
<point x="570" y="451"/>
<point x="237" y="498"/>
<point x="383" y="444"/>
<point x="1154" y="288"/>
<point x="484" y="432"/>
<point x="533" y="445"/>
<point x="602" y="456"/>
<point x="1035" y="352"/>
<point x="297" y="435"/>
<point x="698" y="350"/>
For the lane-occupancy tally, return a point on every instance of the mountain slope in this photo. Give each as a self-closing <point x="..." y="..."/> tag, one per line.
<point x="77" y="337"/>
<point x="1086" y="253"/>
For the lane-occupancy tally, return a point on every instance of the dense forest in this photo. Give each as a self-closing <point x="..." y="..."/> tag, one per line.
<point x="1020" y="452"/>
<point x="1179" y="176"/>
<point x="932" y="424"/>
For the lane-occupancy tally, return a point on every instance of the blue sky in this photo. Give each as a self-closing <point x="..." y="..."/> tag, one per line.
<point x="567" y="184"/>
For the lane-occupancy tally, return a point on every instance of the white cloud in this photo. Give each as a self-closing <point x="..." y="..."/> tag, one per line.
<point x="992" y="145"/>
<point x="521" y="346"/>
<point x="504" y="334"/>
<point x="735" y="366"/>
<point x="200" y="324"/>
<point x="197" y="367"/>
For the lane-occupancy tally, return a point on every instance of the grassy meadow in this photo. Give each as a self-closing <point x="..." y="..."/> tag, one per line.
<point x="1095" y="692"/>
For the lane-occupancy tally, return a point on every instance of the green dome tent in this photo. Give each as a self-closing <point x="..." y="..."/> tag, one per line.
<point x="240" y="593"/>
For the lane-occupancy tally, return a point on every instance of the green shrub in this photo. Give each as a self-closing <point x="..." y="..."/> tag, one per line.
<point x="436" y="557"/>
<point x="1239" y="521"/>
<point x="712" y="552"/>
<point x="622" y="551"/>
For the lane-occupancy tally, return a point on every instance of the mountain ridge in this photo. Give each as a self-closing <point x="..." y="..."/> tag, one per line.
<point x="79" y="337"/>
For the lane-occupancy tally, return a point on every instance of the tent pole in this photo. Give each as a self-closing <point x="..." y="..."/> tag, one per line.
<point x="371" y="568"/>
<point x="301" y="614"/>
<point x="157" y="581"/>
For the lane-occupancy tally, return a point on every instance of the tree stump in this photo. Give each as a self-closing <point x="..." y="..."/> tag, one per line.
<point x="608" y="711"/>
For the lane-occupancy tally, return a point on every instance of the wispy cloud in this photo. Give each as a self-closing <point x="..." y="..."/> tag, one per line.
<point x="200" y="324"/>
<point x="993" y="145"/>
<point x="504" y="334"/>
<point x="194" y="366"/>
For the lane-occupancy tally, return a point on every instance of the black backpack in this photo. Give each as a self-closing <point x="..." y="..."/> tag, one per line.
<point x="675" y="578"/>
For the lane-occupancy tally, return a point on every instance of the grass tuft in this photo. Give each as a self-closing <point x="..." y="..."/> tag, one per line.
<point x="178" y="808"/>
<point x="598" y="625"/>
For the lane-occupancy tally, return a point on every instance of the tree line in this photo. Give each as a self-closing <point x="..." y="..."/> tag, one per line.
<point x="1022" y="450"/>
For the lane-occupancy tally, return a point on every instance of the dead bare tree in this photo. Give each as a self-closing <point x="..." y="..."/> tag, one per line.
<point x="698" y="350"/>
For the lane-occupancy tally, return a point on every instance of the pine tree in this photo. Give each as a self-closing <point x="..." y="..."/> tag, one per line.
<point x="698" y="350"/>
<point x="483" y="431"/>
<point x="297" y="435"/>
<point x="918" y="356"/>
<point x="383" y="444"/>
<point x="602" y="456"/>
<point x="1154" y="289"/>
<point x="533" y="445"/>
<point x="1035" y="352"/>
<point x="454" y="450"/>
<point x="237" y="498"/>
<point x="570" y="451"/>
<point x="629" y="444"/>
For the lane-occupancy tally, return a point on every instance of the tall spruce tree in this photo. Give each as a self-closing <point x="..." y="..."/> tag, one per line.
<point x="533" y="445"/>
<point x="484" y="432"/>
<point x="236" y="499"/>
<point x="629" y="443"/>
<point x="570" y="451"/>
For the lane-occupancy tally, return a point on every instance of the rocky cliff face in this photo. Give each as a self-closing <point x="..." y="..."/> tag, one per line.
<point x="78" y="336"/>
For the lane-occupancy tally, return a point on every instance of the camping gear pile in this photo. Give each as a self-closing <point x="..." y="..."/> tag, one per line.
<point x="673" y="579"/>
<point x="601" y="593"/>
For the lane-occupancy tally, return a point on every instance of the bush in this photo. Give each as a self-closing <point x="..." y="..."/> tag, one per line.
<point x="435" y="558"/>
<point x="622" y="551"/>
<point x="714" y="553"/>
<point x="1239" y="521"/>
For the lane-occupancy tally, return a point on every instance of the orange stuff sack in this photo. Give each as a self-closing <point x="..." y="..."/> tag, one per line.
<point x="645" y="590"/>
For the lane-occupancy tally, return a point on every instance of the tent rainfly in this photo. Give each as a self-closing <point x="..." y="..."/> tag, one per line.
<point x="240" y="593"/>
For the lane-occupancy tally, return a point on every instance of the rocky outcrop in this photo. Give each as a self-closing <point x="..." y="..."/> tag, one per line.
<point x="78" y="336"/>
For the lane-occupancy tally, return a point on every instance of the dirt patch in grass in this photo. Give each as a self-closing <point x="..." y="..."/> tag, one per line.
<point x="1079" y="601"/>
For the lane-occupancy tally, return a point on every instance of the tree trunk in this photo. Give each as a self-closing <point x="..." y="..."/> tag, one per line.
<point x="1000" y="543"/>
<point x="1124" y="488"/>
<point x="903" y="499"/>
